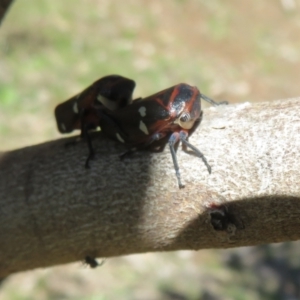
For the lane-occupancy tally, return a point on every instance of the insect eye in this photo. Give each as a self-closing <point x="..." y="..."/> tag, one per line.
<point x="185" y="117"/>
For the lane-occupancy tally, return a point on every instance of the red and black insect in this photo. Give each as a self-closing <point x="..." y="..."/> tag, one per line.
<point x="83" y="111"/>
<point x="112" y="92"/>
<point x="169" y="116"/>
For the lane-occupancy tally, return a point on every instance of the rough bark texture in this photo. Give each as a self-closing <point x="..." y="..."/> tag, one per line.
<point x="4" y="6"/>
<point x="53" y="211"/>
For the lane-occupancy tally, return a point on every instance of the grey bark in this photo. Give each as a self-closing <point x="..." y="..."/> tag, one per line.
<point x="54" y="211"/>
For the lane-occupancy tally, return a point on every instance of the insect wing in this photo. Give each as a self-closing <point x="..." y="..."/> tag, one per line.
<point x="67" y="114"/>
<point x="111" y="91"/>
<point x="115" y="91"/>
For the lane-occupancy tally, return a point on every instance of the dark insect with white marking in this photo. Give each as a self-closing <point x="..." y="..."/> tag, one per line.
<point x="83" y="111"/>
<point x="92" y="262"/>
<point x="169" y="116"/>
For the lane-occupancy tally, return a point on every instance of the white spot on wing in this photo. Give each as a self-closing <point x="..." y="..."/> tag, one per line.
<point x="143" y="127"/>
<point x="62" y="127"/>
<point x="107" y="102"/>
<point x="142" y="111"/>
<point x="75" y="108"/>
<point x="120" y="138"/>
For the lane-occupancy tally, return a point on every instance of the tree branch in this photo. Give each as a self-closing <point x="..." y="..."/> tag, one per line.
<point x="54" y="211"/>
<point x="4" y="6"/>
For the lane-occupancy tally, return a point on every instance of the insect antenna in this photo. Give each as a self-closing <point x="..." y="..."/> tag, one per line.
<point x="213" y="102"/>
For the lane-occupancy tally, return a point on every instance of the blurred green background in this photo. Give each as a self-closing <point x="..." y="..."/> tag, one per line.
<point x="234" y="50"/>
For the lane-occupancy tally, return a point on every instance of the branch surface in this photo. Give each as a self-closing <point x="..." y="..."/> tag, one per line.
<point x="54" y="211"/>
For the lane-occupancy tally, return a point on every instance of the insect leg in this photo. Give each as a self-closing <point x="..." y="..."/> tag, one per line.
<point x="183" y="137"/>
<point x="213" y="102"/>
<point x="127" y="153"/>
<point x="91" y="149"/>
<point x="85" y="135"/>
<point x="191" y="131"/>
<point x="174" y="138"/>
